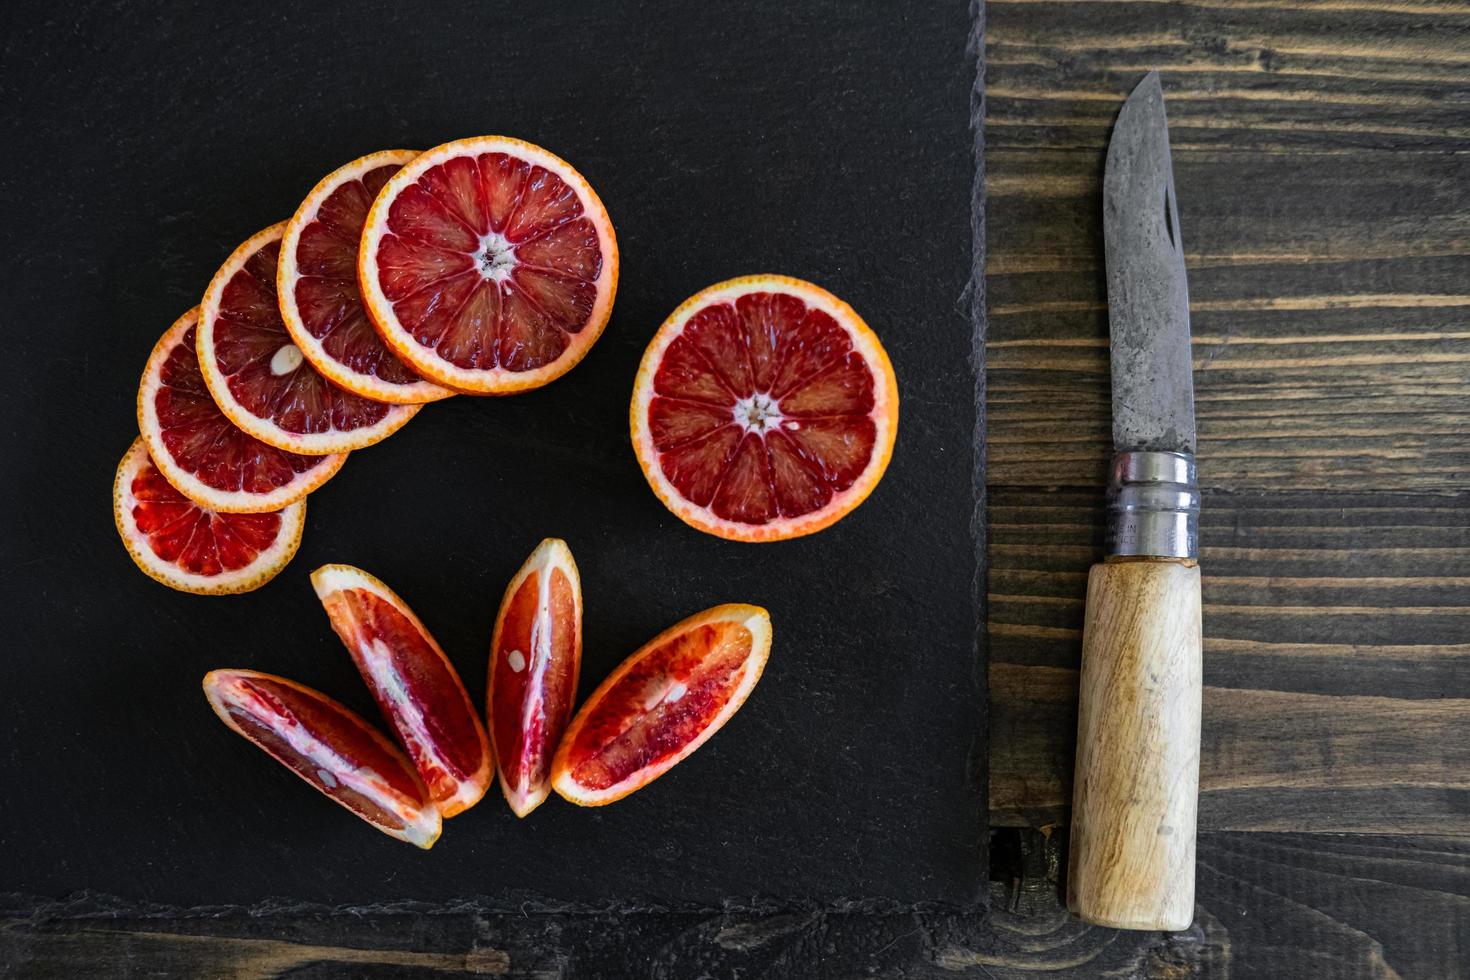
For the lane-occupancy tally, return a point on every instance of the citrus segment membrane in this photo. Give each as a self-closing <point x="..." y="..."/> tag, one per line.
<point x="200" y="451"/>
<point x="662" y="703"/>
<point x="764" y="409"/>
<point x="259" y="377"/>
<point x="317" y="284"/>
<point x="414" y="683"/>
<point x="489" y="265"/>
<point x="330" y="747"/>
<point x="191" y="548"/>
<point x="535" y="658"/>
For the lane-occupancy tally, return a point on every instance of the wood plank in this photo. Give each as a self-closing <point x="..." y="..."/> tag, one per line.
<point x="1323" y="163"/>
<point x="1268" y="906"/>
<point x="1313" y="593"/>
<point x="1269" y="760"/>
<point x="1262" y="76"/>
<point x="1336" y="658"/>
<point x="1322" y="167"/>
<point x="1303" y="906"/>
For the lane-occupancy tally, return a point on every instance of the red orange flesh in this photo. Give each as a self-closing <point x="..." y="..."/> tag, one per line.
<point x="330" y="747"/>
<point x="414" y="683"/>
<point x="489" y="265"/>
<point x="662" y="703"/>
<point x="192" y="548"/>
<point x="764" y="409"/>
<point x="316" y="280"/>
<point x="535" y="658"/>
<point x="259" y="377"/>
<point x="202" y="453"/>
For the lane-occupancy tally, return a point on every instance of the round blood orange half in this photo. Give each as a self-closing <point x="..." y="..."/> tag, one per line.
<point x="414" y="684"/>
<point x="330" y="747"/>
<point x="764" y="409"/>
<point x="317" y="284"/>
<point x="201" y="452"/>
<point x="535" y="658"/>
<point x="190" y="548"/>
<point x="662" y="703"/>
<point x="489" y="265"/>
<point x="259" y="377"/>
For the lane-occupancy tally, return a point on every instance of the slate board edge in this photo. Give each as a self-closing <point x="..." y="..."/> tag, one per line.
<point x="980" y="758"/>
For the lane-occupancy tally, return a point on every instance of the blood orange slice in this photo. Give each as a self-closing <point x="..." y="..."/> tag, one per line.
<point x="764" y="409"/>
<point x="662" y="703"/>
<point x="414" y="684"/>
<point x="259" y="377"/>
<point x="193" y="549"/>
<point x="202" y="453"/>
<point x="489" y="265"/>
<point x="317" y="284"/>
<point x="330" y="747"/>
<point x="535" y="657"/>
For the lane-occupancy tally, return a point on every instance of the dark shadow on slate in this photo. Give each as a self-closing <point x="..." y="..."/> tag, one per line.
<point x="825" y="140"/>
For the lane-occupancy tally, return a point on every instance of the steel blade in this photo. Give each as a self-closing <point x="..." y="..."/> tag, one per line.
<point x="1148" y="298"/>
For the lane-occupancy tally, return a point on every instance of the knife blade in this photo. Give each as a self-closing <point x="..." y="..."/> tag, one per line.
<point x="1148" y="296"/>
<point x="1136" y="787"/>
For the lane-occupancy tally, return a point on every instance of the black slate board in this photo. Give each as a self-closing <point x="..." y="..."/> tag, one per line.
<point x="829" y="141"/>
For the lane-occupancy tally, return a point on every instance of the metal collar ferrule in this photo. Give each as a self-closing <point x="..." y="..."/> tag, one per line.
<point x="1153" y="505"/>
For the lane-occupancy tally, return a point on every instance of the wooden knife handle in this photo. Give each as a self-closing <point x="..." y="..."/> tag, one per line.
<point x="1137" y="780"/>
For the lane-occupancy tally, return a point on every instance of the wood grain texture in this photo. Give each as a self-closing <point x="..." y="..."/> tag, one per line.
<point x="1268" y="907"/>
<point x="1322" y="157"/>
<point x="1138" y="734"/>
<point x="1320" y="152"/>
<point x="1336" y="663"/>
<point x="1323" y="167"/>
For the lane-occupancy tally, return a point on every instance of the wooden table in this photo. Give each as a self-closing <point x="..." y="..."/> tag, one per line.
<point x="1322" y="156"/>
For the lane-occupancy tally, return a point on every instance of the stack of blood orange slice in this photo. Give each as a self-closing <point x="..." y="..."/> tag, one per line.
<point x="486" y="265"/>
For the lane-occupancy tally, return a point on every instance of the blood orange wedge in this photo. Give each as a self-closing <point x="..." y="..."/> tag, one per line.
<point x="330" y="747"/>
<point x="764" y="409"/>
<point x="260" y="378"/>
<point x="317" y="284"/>
<point x="414" y="684"/>
<point x="202" y="453"/>
<point x="193" y="549"/>
<point x="535" y="657"/>
<point x="662" y="703"/>
<point x="489" y="265"/>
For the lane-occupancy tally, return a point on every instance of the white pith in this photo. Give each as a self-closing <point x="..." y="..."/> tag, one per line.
<point x="863" y="341"/>
<point x="421" y="824"/>
<point x="309" y="443"/>
<point x="665" y="690"/>
<point x="759" y="413"/>
<point x="280" y="552"/>
<point x="369" y="386"/>
<point x="425" y="360"/>
<point x="409" y="721"/>
<point x="754" y="619"/>
<point x="495" y="257"/>
<point x="186" y="483"/>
